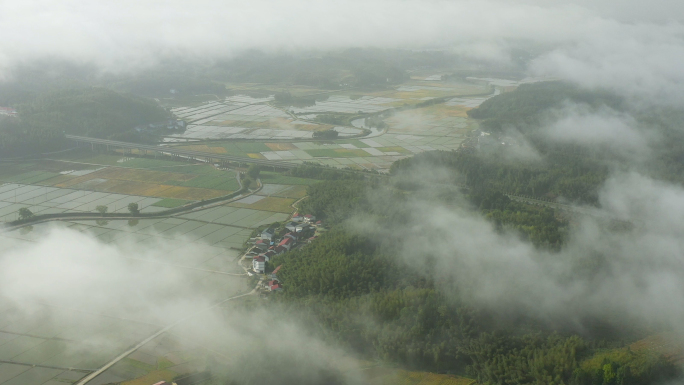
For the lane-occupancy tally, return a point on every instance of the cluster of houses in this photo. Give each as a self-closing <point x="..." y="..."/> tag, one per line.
<point x="273" y="284"/>
<point x="268" y="246"/>
<point x="8" y="111"/>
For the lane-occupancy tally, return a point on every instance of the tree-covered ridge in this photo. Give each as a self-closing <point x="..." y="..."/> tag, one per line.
<point x="361" y="298"/>
<point x="45" y="117"/>
<point x="574" y="178"/>
<point x="527" y="102"/>
<point x="17" y="139"/>
<point x="96" y="112"/>
<point x="575" y="169"/>
<point x="358" y="294"/>
<point x="334" y="200"/>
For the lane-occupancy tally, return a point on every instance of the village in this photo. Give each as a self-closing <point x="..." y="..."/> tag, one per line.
<point x="274" y="240"/>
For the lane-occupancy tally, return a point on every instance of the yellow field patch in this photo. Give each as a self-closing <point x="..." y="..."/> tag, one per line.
<point x="398" y="149"/>
<point x="313" y="127"/>
<point x="280" y="205"/>
<point x="254" y="155"/>
<point x="127" y="187"/>
<point x="280" y="123"/>
<point x="140" y="175"/>
<point x="451" y="111"/>
<point x="281" y="146"/>
<point x="296" y="192"/>
<point x="156" y="191"/>
<point x="205" y="148"/>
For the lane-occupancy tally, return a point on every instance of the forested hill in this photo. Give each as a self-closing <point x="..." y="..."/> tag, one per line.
<point x="527" y="102"/>
<point x="355" y="292"/>
<point x="96" y="112"/>
<point x="533" y="163"/>
<point x="45" y="117"/>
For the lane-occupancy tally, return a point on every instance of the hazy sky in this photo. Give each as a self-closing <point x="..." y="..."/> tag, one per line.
<point x="631" y="45"/>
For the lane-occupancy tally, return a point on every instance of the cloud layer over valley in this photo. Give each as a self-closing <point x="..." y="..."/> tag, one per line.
<point x="602" y="44"/>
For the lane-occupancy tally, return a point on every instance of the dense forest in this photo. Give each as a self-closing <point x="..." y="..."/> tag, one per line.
<point x="568" y="169"/>
<point x="354" y="293"/>
<point x="95" y="112"/>
<point x="18" y="139"/>
<point x="45" y="117"/>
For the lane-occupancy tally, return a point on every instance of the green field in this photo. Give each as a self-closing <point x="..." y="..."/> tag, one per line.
<point x="170" y="203"/>
<point x="28" y="177"/>
<point x="398" y="149"/>
<point x="355" y="142"/>
<point x="220" y="180"/>
<point x="337" y="153"/>
<point x="276" y="178"/>
<point x="234" y="148"/>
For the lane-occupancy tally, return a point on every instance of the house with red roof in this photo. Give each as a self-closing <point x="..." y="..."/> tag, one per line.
<point x="274" y="273"/>
<point x="287" y="243"/>
<point x="262" y="244"/>
<point x="8" y="111"/>
<point x="276" y="287"/>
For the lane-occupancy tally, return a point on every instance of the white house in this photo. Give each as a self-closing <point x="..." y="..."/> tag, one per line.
<point x="259" y="264"/>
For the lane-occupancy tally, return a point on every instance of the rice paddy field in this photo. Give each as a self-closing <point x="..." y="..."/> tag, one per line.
<point x="410" y="131"/>
<point x="60" y="186"/>
<point x="244" y="117"/>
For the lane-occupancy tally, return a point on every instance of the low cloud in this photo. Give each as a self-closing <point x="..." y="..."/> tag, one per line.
<point x="106" y="299"/>
<point x="595" y="44"/>
<point x="621" y="265"/>
<point x="619" y="134"/>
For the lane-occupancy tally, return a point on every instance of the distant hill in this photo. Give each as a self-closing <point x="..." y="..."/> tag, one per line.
<point x="46" y="117"/>
<point x="96" y="112"/>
